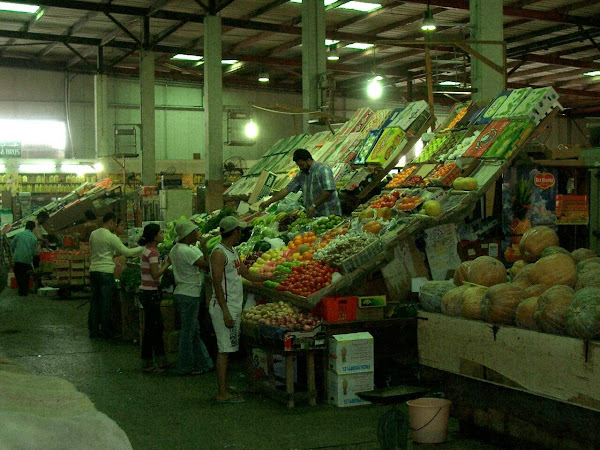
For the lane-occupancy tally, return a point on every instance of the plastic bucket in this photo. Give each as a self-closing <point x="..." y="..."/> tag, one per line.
<point x="428" y="419"/>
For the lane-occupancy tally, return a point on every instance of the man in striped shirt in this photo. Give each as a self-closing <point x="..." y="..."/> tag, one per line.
<point x="317" y="184"/>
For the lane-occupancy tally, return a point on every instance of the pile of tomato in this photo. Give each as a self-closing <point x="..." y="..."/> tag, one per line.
<point x="307" y="279"/>
<point x="386" y="201"/>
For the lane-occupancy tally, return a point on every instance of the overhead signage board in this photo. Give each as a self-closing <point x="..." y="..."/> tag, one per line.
<point x="10" y="149"/>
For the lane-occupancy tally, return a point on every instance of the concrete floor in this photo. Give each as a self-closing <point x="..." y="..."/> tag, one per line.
<point x="164" y="411"/>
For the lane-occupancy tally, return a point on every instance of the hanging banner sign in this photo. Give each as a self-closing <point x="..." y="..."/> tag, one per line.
<point x="544" y="180"/>
<point x="10" y="149"/>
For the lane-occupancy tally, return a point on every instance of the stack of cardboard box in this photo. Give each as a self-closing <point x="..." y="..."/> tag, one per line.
<point x="351" y="368"/>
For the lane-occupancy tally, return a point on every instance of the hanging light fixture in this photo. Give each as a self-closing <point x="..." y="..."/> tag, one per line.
<point x="263" y="77"/>
<point x="428" y="23"/>
<point x="374" y="88"/>
<point x="332" y="53"/>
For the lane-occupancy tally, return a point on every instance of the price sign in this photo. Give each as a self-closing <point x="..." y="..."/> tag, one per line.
<point x="10" y="149"/>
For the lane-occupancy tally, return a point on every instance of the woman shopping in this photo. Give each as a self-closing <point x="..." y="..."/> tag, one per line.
<point x="188" y="263"/>
<point x="153" y="349"/>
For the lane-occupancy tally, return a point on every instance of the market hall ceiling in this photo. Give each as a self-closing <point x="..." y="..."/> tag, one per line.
<point x="549" y="42"/>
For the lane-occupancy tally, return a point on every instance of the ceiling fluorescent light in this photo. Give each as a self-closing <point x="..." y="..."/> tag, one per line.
<point x="18" y="7"/>
<point x="359" y="46"/>
<point x="329" y="42"/>
<point x="327" y="2"/>
<point x="263" y="77"/>
<point x="37" y="168"/>
<point x="594" y="73"/>
<point x="449" y="83"/>
<point x="360" y="6"/>
<point x="332" y="53"/>
<point x="77" y="169"/>
<point x="228" y="62"/>
<point x="183" y="57"/>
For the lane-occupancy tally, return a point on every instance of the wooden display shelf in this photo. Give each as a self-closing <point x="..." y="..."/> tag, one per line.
<point x="557" y="367"/>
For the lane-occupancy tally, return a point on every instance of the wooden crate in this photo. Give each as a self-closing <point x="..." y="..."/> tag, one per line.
<point x="557" y="367"/>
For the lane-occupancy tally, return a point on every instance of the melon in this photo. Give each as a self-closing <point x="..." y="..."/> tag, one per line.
<point x="471" y="302"/>
<point x="588" y="278"/>
<point x="486" y="271"/>
<point x="536" y="290"/>
<point x="582" y="254"/>
<point x="431" y="293"/>
<point x="452" y="301"/>
<point x="582" y="319"/>
<point x="500" y="303"/>
<point x="554" y="270"/>
<point x="522" y="283"/>
<point x="524" y="313"/>
<point x="524" y="274"/>
<point x="516" y="268"/>
<point x="535" y="240"/>
<point x="552" y="250"/>
<point x="588" y="264"/>
<point x="551" y="308"/>
<point x="461" y="273"/>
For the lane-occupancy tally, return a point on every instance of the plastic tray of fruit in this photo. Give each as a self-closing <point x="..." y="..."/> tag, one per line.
<point x="417" y="179"/>
<point x="365" y="255"/>
<point x="401" y="177"/>
<point x="444" y="175"/>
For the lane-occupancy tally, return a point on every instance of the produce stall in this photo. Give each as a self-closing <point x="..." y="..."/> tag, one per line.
<point x="434" y="190"/>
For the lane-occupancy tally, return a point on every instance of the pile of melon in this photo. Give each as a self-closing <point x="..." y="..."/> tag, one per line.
<point x="550" y="290"/>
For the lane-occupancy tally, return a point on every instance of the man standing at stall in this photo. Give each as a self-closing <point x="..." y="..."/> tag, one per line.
<point x="228" y="296"/>
<point x="103" y="246"/>
<point x="317" y="184"/>
<point x="23" y="247"/>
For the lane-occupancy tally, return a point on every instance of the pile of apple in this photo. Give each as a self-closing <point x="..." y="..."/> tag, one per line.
<point x="273" y="260"/>
<point x="282" y="315"/>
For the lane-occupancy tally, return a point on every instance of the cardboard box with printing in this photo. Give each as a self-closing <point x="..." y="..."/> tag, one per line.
<point x="342" y="389"/>
<point x="351" y="353"/>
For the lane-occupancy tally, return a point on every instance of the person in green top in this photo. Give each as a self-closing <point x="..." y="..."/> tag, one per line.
<point x="23" y="247"/>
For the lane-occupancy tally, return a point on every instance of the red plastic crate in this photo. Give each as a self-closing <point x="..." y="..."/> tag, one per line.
<point x="339" y="309"/>
<point x="48" y="256"/>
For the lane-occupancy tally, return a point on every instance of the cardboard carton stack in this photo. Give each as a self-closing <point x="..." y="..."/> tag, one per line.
<point x="351" y="366"/>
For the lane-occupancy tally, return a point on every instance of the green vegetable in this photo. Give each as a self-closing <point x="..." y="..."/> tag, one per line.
<point x="212" y="243"/>
<point x="213" y="221"/>
<point x="262" y="246"/>
<point x="131" y="278"/>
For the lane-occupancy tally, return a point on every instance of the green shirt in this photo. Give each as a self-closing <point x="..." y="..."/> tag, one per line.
<point x="24" y="246"/>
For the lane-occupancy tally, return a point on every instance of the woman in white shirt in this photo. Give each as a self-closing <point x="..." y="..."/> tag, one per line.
<point x="188" y="261"/>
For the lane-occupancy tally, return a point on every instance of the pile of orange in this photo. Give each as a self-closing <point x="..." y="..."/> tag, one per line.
<point x="386" y="201"/>
<point x="409" y="203"/>
<point x="302" y="246"/>
<point x="401" y="177"/>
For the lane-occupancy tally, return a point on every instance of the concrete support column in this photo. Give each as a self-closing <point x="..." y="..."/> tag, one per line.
<point x="487" y="25"/>
<point x="101" y="109"/>
<point x="213" y="112"/>
<point x="313" y="54"/>
<point x="147" y="106"/>
<point x="101" y="115"/>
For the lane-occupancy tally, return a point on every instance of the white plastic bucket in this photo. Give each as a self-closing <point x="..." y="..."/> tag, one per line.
<point x="428" y="419"/>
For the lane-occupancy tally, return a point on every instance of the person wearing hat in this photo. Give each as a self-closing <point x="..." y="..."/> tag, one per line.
<point x="103" y="246"/>
<point x="317" y="184"/>
<point x="228" y="295"/>
<point x="188" y="261"/>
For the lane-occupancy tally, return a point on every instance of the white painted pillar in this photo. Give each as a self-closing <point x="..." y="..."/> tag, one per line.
<point x="213" y="112"/>
<point x="101" y="116"/>
<point x="313" y="54"/>
<point x="148" y="119"/>
<point x="487" y="25"/>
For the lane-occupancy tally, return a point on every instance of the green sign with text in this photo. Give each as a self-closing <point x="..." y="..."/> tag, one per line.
<point x="10" y="149"/>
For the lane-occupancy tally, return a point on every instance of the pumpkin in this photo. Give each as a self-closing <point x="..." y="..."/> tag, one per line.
<point x="552" y="250"/>
<point x="372" y="227"/>
<point x="536" y="290"/>
<point x="516" y="268"/>
<point x="587" y="264"/>
<point x="582" y="254"/>
<point x="524" y="313"/>
<point x="431" y="293"/>
<point x="588" y="278"/>
<point x="500" y="303"/>
<point x="486" y="271"/>
<point x="461" y="273"/>
<point x="471" y="302"/>
<point x="524" y="274"/>
<point x="551" y="308"/>
<point x="451" y="301"/>
<point x="553" y="270"/>
<point x="535" y="240"/>
<point x="522" y="283"/>
<point x="582" y="318"/>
